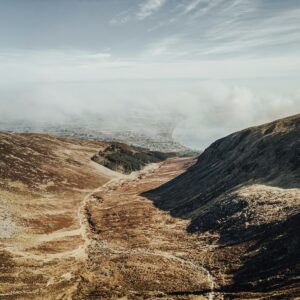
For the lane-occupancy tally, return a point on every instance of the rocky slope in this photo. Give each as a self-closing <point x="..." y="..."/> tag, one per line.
<point x="245" y="190"/>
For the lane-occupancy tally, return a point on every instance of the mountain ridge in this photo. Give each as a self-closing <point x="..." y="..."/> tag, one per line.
<point x="245" y="189"/>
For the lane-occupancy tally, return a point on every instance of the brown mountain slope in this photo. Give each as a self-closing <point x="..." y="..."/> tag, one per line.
<point x="43" y="180"/>
<point x="244" y="189"/>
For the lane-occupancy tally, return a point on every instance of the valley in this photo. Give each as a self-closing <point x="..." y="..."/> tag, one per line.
<point x="51" y="192"/>
<point x="223" y="225"/>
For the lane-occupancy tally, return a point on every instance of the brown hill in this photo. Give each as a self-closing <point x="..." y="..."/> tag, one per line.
<point x="43" y="180"/>
<point x="245" y="189"/>
<point x="36" y="160"/>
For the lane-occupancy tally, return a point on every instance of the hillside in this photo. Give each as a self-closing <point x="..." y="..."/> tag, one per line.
<point x="126" y="159"/>
<point x="42" y="182"/>
<point x="245" y="191"/>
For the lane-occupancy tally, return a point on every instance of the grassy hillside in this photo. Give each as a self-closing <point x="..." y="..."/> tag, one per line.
<point x="125" y="159"/>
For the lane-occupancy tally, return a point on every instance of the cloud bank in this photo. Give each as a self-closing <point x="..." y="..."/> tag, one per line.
<point x="203" y="110"/>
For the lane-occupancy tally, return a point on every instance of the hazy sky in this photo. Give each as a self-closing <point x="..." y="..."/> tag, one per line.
<point x="220" y="64"/>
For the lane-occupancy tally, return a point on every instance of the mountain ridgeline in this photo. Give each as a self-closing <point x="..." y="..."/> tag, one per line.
<point x="244" y="188"/>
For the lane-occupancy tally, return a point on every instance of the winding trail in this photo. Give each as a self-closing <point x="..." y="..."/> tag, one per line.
<point x="83" y="222"/>
<point x="113" y="183"/>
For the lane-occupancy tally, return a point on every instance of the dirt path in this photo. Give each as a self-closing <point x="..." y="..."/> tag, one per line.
<point x="113" y="183"/>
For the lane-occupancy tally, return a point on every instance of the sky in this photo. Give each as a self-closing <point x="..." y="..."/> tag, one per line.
<point x="216" y="65"/>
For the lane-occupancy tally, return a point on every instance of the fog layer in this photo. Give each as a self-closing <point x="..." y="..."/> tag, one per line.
<point x="201" y="111"/>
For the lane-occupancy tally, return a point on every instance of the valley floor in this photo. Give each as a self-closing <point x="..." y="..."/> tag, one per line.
<point x="138" y="251"/>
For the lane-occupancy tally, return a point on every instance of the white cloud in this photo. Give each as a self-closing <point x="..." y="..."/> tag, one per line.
<point x="192" y="5"/>
<point x="162" y="60"/>
<point x="144" y="10"/>
<point x="210" y="5"/>
<point x="168" y="48"/>
<point x="121" y="18"/>
<point x="148" y="7"/>
<point x="214" y="110"/>
<point x="236" y="28"/>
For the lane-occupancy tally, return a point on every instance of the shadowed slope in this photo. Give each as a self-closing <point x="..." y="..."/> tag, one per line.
<point x="245" y="188"/>
<point x="267" y="154"/>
